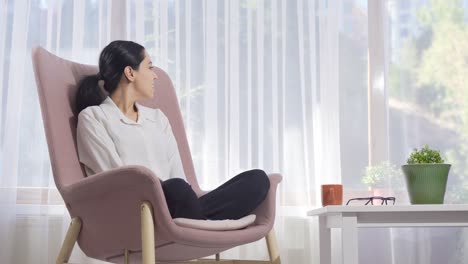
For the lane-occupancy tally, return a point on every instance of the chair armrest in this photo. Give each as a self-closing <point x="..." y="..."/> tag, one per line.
<point x="108" y="204"/>
<point x="113" y="180"/>
<point x="266" y="211"/>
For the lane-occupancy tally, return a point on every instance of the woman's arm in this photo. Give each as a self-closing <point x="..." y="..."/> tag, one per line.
<point x="175" y="163"/>
<point x="96" y="150"/>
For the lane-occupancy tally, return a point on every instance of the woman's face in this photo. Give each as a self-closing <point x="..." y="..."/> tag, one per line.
<point x="144" y="78"/>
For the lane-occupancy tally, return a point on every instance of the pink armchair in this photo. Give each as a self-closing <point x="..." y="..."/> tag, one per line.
<point x="121" y="215"/>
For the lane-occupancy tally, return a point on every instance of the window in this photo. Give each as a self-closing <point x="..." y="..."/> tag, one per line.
<point x="428" y="99"/>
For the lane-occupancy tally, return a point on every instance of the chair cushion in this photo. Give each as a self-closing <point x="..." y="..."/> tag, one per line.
<point x="216" y="225"/>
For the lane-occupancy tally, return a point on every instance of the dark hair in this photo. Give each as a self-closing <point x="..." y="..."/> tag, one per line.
<point x="112" y="62"/>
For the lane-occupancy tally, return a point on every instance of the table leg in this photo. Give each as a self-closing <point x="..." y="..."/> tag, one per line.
<point x="325" y="241"/>
<point x="349" y="240"/>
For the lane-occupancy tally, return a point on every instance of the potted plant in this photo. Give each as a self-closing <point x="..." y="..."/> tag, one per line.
<point x="426" y="176"/>
<point x="382" y="179"/>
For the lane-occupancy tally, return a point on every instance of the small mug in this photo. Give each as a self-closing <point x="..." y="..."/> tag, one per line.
<point x="332" y="194"/>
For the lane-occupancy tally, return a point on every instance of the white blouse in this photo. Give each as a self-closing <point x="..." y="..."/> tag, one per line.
<point x="108" y="139"/>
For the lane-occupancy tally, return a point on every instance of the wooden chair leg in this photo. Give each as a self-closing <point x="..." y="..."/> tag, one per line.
<point x="69" y="242"/>
<point x="147" y="234"/>
<point x="273" y="247"/>
<point x="126" y="256"/>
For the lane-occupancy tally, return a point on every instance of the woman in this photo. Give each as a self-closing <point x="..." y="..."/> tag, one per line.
<point x="115" y="131"/>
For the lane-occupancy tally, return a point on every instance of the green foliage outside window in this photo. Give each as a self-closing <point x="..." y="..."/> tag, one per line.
<point x="434" y="63"/>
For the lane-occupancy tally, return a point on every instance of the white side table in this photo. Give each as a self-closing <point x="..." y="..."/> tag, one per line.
<point x="350" y="218"/>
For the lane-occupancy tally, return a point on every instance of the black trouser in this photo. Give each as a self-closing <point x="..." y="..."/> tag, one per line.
<point x="234" y="199"/>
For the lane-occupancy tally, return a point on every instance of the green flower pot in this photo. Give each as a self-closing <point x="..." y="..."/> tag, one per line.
<point x="426" y="183"/>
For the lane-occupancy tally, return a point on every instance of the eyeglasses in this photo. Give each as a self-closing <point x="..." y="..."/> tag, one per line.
<point x="371" y="200"/>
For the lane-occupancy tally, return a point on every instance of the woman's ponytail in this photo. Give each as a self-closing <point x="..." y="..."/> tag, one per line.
<point x="89" y="93"/>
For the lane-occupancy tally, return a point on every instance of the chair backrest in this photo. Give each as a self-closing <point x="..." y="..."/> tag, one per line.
<point x="57" y="80"/>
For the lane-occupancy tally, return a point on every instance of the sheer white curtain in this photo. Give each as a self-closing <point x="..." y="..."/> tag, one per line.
<point x="246" y="75"/>
<point x="280" y="85"/>
<point x="33" y="220"/>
